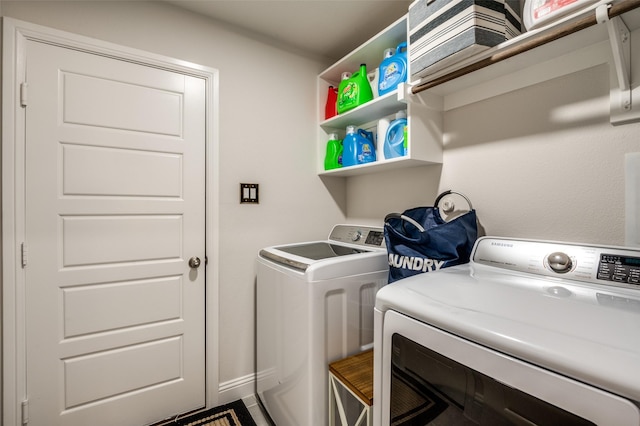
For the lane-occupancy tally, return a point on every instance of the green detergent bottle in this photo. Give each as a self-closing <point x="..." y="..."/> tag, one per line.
<point x="354" y="91"/>
<point x="333" y="157"/>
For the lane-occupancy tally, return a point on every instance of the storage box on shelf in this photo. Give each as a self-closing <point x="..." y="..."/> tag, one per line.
<point x="443" y="32"/>
<point x="424" y="125"/>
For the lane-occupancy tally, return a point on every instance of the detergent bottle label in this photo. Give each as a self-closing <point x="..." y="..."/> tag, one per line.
<point x="350" y="93"/>
<point x="391" y="76"/>
<point x="367" y="153"/>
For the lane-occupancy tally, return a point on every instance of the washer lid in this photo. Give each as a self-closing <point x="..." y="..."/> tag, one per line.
<point x="321" y="260"/>
<point x="301" y="256"/>
<point x="344" y="241"/>
<point x="320" y="250"/>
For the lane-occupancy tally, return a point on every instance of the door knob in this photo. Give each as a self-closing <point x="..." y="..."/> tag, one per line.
<point x="194" y="262"/>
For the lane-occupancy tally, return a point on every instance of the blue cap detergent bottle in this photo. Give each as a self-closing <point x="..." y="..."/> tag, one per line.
<point x="395" y="144"/>
<point x="357" y="147"/>
<point x="393" y="69"/>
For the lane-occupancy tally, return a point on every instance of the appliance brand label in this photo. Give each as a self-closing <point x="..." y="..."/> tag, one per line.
<point x="495" y="243"/>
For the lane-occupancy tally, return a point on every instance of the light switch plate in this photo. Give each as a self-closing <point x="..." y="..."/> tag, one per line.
<point x="632" y="199"/>
<point x="249" y="193"/>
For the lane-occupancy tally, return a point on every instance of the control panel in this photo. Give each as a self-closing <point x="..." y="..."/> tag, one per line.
<point x="618" y="266"/>
<point x="366" y="236"/>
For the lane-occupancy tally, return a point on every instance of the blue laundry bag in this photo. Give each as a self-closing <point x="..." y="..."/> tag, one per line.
<point x="419" y="240"/>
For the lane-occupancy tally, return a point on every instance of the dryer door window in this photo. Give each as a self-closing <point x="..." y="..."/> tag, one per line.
<point x="429" y="388"/>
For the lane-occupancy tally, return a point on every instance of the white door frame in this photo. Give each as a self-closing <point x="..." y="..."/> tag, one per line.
<point x="15" y="33"/>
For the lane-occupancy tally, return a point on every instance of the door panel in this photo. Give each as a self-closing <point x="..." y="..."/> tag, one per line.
<point x="133" y="100"/>
<point x="97" y="303"/>
<point x="90" y="170"/>
<point x="123" y="238"/>
<point x="115" y="178"/>
<point x="104" y="370"/>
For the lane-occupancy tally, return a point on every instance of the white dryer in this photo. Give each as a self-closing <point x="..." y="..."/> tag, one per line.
<point x="314" y="305"/>
<point x="527" y="333"/>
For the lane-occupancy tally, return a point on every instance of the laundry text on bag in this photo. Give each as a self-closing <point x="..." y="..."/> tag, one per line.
<point x="415" y="263"/>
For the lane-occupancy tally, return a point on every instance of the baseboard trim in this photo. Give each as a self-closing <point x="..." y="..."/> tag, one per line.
<point x="237" y="388"/>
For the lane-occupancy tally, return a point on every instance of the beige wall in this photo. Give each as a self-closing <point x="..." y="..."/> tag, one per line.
<point x="542" y="162"/>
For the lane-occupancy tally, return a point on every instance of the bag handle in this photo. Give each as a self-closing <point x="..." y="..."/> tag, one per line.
<point x="445" y="193"/>
<point x="414" y="222"/>
<point x="404" y="217"/>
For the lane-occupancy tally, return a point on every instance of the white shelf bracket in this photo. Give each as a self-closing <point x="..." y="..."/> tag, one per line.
<point x="404" y="92"/>
<point x="423" y="99"/>
<point x="620" y="40"/>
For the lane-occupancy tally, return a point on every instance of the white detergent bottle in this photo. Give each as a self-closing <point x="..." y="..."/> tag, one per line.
<point x="381" y="134"/>
<point x="373" y="78"/>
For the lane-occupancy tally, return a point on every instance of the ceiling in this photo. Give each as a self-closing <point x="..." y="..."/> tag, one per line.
<point x="324" y="29"/>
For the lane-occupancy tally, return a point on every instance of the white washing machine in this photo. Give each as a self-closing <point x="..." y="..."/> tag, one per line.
<point x="529" y="332"/>
<point x="314" y="305"/>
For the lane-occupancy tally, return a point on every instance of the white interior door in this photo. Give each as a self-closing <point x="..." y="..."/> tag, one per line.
<point x="115" y="207"/>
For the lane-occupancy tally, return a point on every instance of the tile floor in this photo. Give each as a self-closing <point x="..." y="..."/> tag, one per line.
<point x="252" y="404"/>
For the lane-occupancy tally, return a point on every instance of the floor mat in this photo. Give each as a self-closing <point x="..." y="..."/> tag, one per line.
<point x="232" y="414"/>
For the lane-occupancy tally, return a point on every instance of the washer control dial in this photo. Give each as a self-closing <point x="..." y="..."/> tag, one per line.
<point x="356" y="236"/>
<point x="559" y="262"/>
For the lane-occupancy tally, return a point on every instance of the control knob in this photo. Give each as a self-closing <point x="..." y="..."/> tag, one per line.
<point x="356" y="236"/>
<point x="559" y="262"/>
